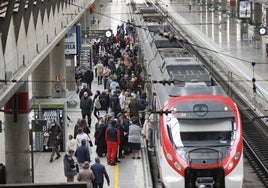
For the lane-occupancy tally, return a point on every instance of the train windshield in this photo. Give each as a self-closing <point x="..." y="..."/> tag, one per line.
<point x="202" y="132"/>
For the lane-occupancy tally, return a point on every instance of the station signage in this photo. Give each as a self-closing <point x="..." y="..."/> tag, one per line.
<point x="97" y="33"/>
<point x="244" y="9"/>
<point x="71" y="42"/>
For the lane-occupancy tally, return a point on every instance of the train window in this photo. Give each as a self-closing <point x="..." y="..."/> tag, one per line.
<point x="216" y="132"/>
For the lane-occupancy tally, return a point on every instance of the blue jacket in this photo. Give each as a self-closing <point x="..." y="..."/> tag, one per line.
<point x="112" y="134"/>
<point x="99" y="172"/>
<point x="82" y="154"/>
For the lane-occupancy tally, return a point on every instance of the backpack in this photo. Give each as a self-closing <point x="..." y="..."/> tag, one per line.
<point x="97" y="103"/>
<point x="102" y="101"/>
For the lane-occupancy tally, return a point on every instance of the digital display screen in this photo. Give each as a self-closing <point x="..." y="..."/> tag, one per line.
<point x="244" y="9"/>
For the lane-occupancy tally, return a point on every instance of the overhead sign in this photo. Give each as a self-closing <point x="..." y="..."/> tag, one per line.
<point x="244" y="9"/>
<point x="97" y="33"/>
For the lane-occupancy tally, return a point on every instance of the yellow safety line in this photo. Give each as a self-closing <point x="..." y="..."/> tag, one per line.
<point x="116" y="176"/>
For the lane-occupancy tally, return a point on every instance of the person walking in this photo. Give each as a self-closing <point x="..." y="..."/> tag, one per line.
<point x="77" y="76"/>
<point x="69" y="166"/>
<point x="82" y="153"/>
<point x="81" y="135"/>
<point x="112" y="137"/>
<point x="86" y="106"/>
<point x="123" y="126"/>
<point x="77" y="126"/>
<point x="99" y="69"/>
<point x="83" y="89"/>
<point x="55" y="133"/>
<point x="115" y="103"/>
<point x="101" y="147"/>
<point x="71" y="144"/>
<point x="89" y="76"/>
<point x="99" y="172"/>
<point x="86" y="174"/>
<point x="134" y="137"/>
<point x="104" y="99"/>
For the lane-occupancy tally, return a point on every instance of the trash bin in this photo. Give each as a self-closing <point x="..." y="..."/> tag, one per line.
<point x="2" y="173"/>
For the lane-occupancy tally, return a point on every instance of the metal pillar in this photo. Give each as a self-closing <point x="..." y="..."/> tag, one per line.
<point x="224" y="14"/>
<point x="267" y="18"/>
<point x="244" y="30"/>
<point x="17" y="137"/>
<point x="257" y="22"/>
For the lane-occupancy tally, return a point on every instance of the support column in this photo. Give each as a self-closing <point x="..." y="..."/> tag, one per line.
<point x="266" y="19"/>
<point x="224" y="14"/>
<point x="41" y="78"/>
<point x="17" y="137"/>
<point x="84" y="28"/>
<point x="70" y="70"/>
<point x="233" y="9"/>
<point x="244" y="30"/>
<point x="257" y="22"/>
<point x="58" y="70"/>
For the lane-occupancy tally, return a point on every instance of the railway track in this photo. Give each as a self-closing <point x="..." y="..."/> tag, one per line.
<point x="255" y="131"/>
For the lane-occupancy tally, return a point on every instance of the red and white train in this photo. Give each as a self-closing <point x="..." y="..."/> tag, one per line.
<point x="198" y="135"/>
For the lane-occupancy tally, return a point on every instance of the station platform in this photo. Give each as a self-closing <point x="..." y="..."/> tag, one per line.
<point x="244" y="58"/>
<point x="128" y="173"/>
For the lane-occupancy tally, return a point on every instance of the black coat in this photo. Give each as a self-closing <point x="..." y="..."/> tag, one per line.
<point x="55" y="133"/>
<point x="86" y="105"/>
<point x="104" y="101"/>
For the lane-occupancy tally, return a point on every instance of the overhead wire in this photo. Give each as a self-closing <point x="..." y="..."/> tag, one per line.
<point x="141" y="27"/>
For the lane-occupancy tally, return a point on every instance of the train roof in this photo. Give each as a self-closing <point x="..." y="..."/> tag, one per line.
<point x="174" y="52"/>
<point x="196" y="90"/>
<point x="175" y="62"/>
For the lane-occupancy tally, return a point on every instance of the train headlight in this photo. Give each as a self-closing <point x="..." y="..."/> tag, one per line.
<point x="237" y="155"/>
<point x="230" y="165"/>
<point x="177" y="166"/>
<point x="169" y="157"/>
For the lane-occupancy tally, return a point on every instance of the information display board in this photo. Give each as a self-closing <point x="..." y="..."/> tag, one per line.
<point x="244" y="9"/>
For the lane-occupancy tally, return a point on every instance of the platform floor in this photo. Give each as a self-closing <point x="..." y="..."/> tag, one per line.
<point x="129" y="173"/>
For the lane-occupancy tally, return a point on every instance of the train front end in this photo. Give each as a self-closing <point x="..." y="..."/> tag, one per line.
<point x="201" y="141"/>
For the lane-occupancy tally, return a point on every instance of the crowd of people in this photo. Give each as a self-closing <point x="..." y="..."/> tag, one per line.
<point x="119" y="108"/>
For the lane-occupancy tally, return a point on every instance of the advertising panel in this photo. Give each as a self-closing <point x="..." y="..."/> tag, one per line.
<point x="71" y="42"/>
<point x="244" y="9"/>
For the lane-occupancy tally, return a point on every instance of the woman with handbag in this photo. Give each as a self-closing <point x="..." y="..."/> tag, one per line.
<point x="69" y="166"/>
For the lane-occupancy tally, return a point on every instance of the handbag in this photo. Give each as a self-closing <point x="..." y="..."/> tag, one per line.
<point x="97" y="103"/>
<point x="77" y="168"/>
<point x="90" y="143"/>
